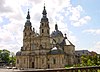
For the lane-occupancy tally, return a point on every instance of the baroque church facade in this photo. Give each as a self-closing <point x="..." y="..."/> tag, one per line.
<point x="44" y="50"/>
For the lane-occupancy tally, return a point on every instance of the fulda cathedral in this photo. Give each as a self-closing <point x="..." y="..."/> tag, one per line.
<point x="44" y="50"/>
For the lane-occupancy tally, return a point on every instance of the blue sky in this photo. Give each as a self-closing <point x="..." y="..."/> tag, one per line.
<point x="79" y="19"/>
<point x="89" y="33"/>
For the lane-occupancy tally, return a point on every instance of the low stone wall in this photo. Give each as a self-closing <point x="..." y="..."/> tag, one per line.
<point x="76" y="69"/>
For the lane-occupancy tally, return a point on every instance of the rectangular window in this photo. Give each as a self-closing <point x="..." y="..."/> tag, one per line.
<point x="54" y="61"/>
<point x="48" y="66"/>
<point x="48" y="31"/>
<point x="42" y="31"/>
<point x="42" y="61"/>
<point x="24" y="60"/>
<point x="17" y="61"/>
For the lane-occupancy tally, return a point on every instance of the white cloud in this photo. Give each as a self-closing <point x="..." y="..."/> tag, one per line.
<point x="75" y="17"/>
<point x="93" y="31"/>
<point x="1" y="20"/>
<point x="81" y="21"/>
<point x="96" y="47"/>
<point x="75" y="13"/>
<point x="3" y="7"/>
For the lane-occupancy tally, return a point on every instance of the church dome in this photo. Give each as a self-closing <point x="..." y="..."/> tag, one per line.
<point x="28" y="23"/>
<point x="18" y="53"/>
<point x="56" y="32"/>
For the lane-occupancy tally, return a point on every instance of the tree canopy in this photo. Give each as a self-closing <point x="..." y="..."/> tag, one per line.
<point x="7" y="57"/>
<point x="90" y="60"/>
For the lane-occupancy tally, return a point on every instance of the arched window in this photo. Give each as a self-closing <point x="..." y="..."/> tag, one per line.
<point x="54" y="61"/>
<point x="42" y="24"/>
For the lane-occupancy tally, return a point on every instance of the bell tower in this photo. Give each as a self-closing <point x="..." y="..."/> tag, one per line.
<point x="27" y="32"/>
<point x="44" y="24"/>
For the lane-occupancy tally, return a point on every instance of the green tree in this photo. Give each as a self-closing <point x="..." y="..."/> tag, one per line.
<point x="98" y="62"/>
<point x="4" y="55"/>
<point x="90" y="60"/>
<point x="84" y="60"/>
<point x="0" y="56"/>
<point x="7" y="57"/>
<point x="12" y="58"/>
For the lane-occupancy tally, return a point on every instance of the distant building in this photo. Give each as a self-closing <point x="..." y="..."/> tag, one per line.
<point x="78" y="55"/>
<point x="44" y="50"/>
<point x="93" y="53"/>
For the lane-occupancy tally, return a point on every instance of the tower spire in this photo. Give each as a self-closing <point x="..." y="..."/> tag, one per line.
<point x="44" y="18"/>
<point x="28" y="15"/>
<point x="44" y="11"/>
<point x="28" y="23"/>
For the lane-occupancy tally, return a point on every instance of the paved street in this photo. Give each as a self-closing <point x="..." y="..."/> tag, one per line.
<point x="7" y="70"/>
